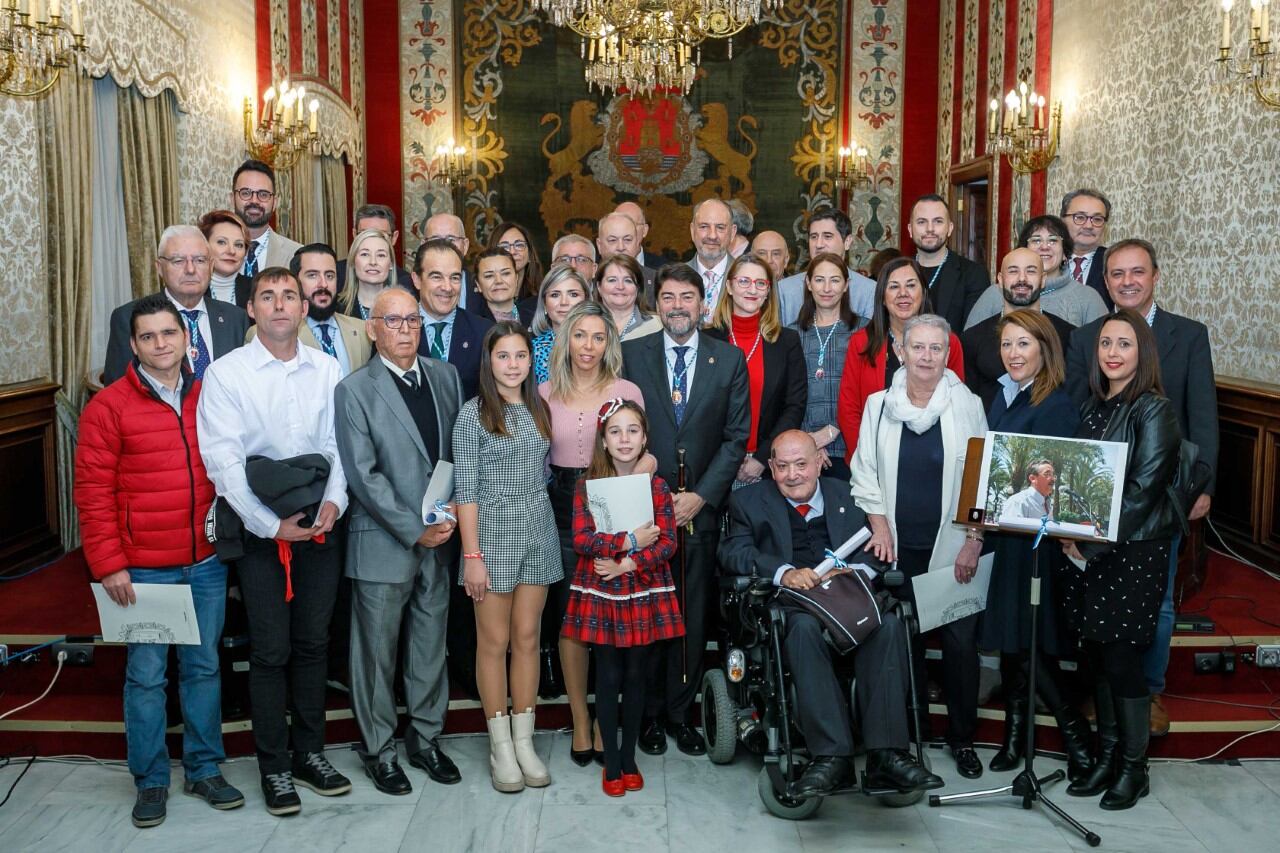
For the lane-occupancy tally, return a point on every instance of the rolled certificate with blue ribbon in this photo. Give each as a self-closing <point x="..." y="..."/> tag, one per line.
<point x="439" y="514"/>
<point x="836" y="559"/>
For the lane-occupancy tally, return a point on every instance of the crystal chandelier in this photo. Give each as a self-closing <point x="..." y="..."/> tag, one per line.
<point x="1256" y="65"/>
<point x="36" y="43"/>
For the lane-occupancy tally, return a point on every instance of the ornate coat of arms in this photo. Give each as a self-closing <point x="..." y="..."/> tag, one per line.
<point x="649" y="145"/>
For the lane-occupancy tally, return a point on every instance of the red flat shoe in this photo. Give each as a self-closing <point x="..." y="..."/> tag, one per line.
<point x="612" y="787"/>
<point x="632" y="781"/>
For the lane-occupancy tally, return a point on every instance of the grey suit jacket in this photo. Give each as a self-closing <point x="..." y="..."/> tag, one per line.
<point x="381" y="447"/>
<point x="228" y="326"/>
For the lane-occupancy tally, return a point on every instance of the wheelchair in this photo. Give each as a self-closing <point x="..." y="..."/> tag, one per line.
<point x="749" y="699"/>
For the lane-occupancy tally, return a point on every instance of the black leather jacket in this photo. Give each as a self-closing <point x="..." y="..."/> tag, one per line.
<point x="1150" y="428"/>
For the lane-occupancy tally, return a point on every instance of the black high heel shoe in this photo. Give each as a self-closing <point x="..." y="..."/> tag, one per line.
<point x="581" y="757"/>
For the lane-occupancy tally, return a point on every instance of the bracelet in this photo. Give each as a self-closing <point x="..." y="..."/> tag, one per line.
<point x="477" y="555"/>
<point x="635" y="546"/>
<point x="973" y="535"/>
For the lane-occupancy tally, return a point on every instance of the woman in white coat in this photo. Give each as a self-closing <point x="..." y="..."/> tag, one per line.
<point x="906" y="475"/>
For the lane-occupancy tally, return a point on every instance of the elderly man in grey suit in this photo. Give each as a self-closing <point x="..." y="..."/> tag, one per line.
<point x="394" y="424"/>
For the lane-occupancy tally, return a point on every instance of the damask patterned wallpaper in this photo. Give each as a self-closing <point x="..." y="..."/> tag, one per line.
<point x="1192" y="168"/>
<point x="204" y="52"/>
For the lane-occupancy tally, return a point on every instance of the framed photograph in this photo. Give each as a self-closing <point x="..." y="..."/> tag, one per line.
<point x="1075" y="482"/>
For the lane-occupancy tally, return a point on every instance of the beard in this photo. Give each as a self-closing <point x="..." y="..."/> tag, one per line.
<point x="315" y="312"/>
<point x="930" y="243"/>
<point x="262" y="218"/>
<point x="1022" y="301"/>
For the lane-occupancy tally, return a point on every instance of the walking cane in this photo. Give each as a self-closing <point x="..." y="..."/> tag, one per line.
<point x="681" y="542"/>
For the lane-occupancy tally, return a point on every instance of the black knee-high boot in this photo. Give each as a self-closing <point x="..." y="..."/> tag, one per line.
<point x="1071" y="723"/>
<point x="1131" y="782"/>
<point x="1014" y="678"/>
<point x="1102" y="773"/>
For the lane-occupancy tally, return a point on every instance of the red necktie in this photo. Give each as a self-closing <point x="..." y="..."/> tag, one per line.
<point x="1078" y="272"/>
<point x="803" y="509"/>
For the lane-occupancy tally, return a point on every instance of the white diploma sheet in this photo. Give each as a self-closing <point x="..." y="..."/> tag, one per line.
<point x="440" y="488"/>
<point x="620" y="504"/>
<point x="941" y="599"/>
<point x="164" y="613"/>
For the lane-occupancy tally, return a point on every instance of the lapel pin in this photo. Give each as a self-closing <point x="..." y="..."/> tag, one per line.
<point x="219" y="318"/>
<point x="466" y="344"/>
<point x="842" y="510"/>
<point x="711" y="360"/>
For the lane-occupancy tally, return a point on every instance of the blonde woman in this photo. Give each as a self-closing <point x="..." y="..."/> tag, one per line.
<point x="371" y="269"/>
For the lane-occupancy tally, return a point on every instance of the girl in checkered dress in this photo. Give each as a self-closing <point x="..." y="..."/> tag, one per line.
<point x="622" y="597"/>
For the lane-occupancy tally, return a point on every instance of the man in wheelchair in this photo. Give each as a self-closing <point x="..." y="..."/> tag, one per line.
<point x="780" y="529"/>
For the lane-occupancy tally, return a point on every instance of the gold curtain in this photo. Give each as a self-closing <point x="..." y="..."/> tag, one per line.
<point x="66" y="165"/>
<point x="333" y="174"/>
<point x="149" y="174"/>
<point x="302" y="218"/>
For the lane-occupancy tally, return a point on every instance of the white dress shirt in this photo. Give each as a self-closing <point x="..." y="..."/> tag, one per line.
<point x="202" y="323"/>
<point x="1027" y="503"/>
<point x="253" y="404"/>
<point x="170" y="396"/>
<point x="709" y="275"/>
<point x="335" y="335"/>
<point x="690" y="361"/>
<point x="1086" y="262"/>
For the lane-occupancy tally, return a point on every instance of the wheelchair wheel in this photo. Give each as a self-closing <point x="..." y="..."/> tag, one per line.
<point x="898" y="801"/>
<point x="780" y="805"/>
<point x="719" y="717"/>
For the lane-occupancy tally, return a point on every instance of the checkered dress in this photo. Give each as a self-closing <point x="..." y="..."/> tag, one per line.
<point x="824" y="393"/>
<point x="504" y="476"/>
<point x="634" y="609"/>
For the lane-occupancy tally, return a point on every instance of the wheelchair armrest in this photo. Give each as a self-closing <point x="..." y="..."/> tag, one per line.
<point x="745" y="583"/>
<point x="893" y="579"/>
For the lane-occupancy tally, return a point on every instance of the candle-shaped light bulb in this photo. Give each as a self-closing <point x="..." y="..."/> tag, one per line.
<point x="75" y="18"/>
<point x="1226" y="25"/>
<point x="1266" y="21"/>
<point x="55" y="9"/>
<point x="315" y="113"/>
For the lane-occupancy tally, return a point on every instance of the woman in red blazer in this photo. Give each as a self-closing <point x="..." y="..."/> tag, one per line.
<point x="871" y="361"/>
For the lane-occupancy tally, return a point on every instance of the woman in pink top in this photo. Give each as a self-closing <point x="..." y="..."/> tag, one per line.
<point x="584" y="370"/>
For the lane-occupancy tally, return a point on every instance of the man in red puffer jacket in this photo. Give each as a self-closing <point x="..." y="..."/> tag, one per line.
<point x="143" y="495"/>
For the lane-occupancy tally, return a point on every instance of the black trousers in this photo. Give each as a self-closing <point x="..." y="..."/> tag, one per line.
<point x="959" y="658"/>
<point x="881" y="670"/>
<point x="288" y="645"/>
<point x="675" y="666"/>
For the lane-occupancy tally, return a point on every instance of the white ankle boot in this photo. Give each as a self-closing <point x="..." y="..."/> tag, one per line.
<point x="503" y="767"/>
<point x="535" y="772"/>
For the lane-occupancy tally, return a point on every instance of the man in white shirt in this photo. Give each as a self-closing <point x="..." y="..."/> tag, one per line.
<point x="273" y="398"/>
<point x="713" y="232"/>
<point x="1034" y="500"/>
<point x="829" y="231"/>
<point x="253" y="197"/>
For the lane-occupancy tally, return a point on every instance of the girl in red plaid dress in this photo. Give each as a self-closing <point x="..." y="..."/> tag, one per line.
<point x="622" y="597"/>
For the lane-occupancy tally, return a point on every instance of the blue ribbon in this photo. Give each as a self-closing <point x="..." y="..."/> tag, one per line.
<point x="1044" y="526"/>
<point x="838" y="563"/>
<point x="440" y="514"/>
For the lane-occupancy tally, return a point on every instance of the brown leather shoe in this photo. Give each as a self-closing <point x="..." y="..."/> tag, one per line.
<point x="1159" y="717"/>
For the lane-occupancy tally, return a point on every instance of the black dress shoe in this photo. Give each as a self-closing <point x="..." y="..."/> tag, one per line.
<point x="388" y="777"/>
<point x="897" y="770"/>
<point x="653" y="738"/>
<point x="440" y="767"/>
<point x="581" y="757"/>
<point x="967" y="762"/>
<point x="688" y="739"/>
<point x="824" y="774"/>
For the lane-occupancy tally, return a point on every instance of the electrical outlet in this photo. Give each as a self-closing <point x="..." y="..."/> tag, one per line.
<point x="78" y="654"/>
<point x="1211" y="662"/>
<point x="1267" y="657"/>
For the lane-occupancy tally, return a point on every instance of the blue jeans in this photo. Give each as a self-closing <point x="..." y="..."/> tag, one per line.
<point x="199" y="685"/>
<point x="1156" y="660"/>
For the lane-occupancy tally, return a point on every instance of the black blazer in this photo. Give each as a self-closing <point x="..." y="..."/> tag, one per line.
<point x="758" y="542"/>
<point x="228" y="326"/>
<point x="786" y="388"/>
<point x="244" y="284"/>
<point x="1098" y="277"/>
<point x="959" y="284"/>
<point x="1186" y="371"/>
<point x="716" y="418"/>
<point x="983" y="366"/>
<point x="525" y="308"/>
<point x="1150" y="428"/>
<point x="464" y="348"/>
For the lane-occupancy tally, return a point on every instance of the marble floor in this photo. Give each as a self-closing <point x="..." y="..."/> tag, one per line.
<point x="688" y="804"/>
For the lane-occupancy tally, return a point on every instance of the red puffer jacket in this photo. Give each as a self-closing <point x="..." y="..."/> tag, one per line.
<point x="141" y="487"/>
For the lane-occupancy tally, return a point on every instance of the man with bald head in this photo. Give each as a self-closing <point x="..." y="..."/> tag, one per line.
<point x="394" y="424"/>
<point x="446" y="226"/>
<point x="771" y="247"/>
<point x="635" y="213"/>
<point x="781" y="528"/>
<point x="713" y="233"/>
<point x="1020" y="280"/>
<point x="618" y="235"/>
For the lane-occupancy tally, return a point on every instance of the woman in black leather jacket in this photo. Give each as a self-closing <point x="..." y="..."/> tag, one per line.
<point x="1115" y="601"/>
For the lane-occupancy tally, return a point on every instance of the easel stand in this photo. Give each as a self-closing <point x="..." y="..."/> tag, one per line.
<point x="1026" y="785"/>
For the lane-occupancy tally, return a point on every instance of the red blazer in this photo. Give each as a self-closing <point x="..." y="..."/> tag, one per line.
<point x="141" y="486"/>
<point x="860" y="380"/>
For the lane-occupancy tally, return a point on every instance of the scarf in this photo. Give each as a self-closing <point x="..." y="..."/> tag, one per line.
<point x="900" y="408"/>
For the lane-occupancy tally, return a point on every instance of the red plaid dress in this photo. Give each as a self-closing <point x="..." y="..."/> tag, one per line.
<point x="634" y="609"/>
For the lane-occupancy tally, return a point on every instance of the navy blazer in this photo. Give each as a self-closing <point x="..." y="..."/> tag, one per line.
<point x="228" y="326"/>
<point x="1098" y="277"/>
<point x="1056" y="415"/>
<point x="464" y="348"/>
<point x="1186" y="371"/>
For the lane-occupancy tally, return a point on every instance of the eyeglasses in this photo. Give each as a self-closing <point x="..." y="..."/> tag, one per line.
<point x="261" y="195"/>
<point x="1037" y="242"/>
<point x="756" y="283"/>
<point x="181" y="261"/>
<point x="514" y="246"/>
<point x="395" y="321"/>
<point x="573" y="260"/>
<point x="452" y="238"/>
<point x="1097" y="220"/>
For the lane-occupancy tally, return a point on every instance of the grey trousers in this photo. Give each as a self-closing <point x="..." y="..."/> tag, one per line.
<point x="380" y="613"/>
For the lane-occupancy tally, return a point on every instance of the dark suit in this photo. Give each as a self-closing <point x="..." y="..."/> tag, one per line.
<point x="959" y="284"/>
<point x="713" y="434"/>
<point x="758" y="543"/>
<point x="786" y="389"/>
<point x="1098" y="276"/>
<point x="1186" y="370"/>
<point x="395" y="581"/>
<point x="244" y="285"/>
<point x="464" y="348"/>
<point x="228" y="326"/>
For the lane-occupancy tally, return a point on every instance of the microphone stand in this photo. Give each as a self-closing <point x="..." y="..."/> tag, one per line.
<point x="1026" y="785"/>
